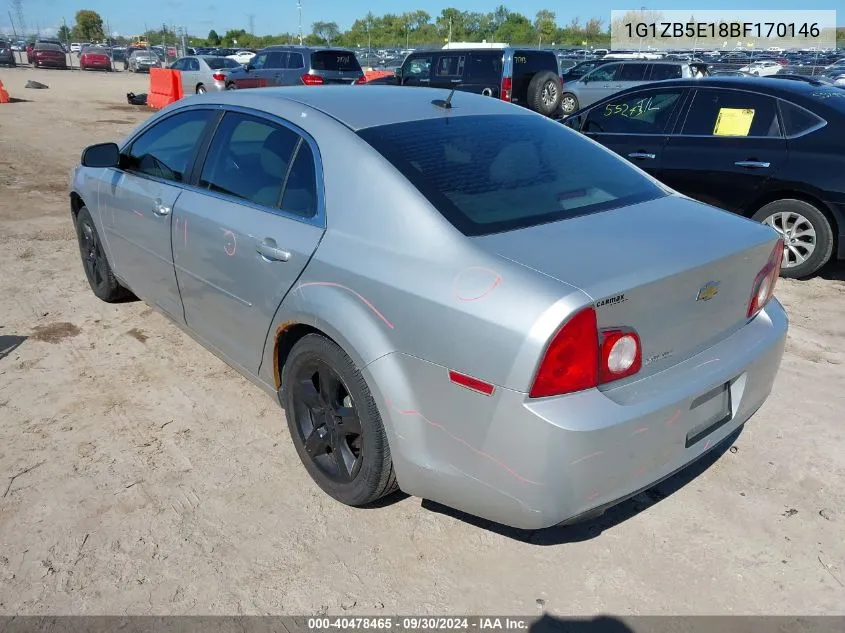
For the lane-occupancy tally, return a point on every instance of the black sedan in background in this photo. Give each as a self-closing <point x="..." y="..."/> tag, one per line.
<point x="768" y="149"/>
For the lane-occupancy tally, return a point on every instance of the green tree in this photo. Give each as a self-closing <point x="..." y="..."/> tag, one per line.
<point x="89" y="25"/>
<point x="516" y="29"/>
<point x="325" y="31"/>
<point x="64" y="33"/>
<point x="213" y="39"/>
<point x="545" y="23"/>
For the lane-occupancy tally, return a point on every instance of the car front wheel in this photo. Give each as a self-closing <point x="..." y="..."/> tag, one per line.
<point x="807" y="235"/>
<point x="335" y="423"/>
<point x="568" y="103"/>
<point x="97" y="268"/>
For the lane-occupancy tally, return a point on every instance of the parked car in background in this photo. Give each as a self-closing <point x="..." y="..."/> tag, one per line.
<point x="525" y="77"/>
<point x="767" y="149"/>
<point x="75" y="47"/>
<point x="142" y="60"/>
<point x="762" y="68"/>
<point x="242" y="57"/>
<point x="580" y="69"/>
<point x="49" y="56"/>
<point x="584" y="301"/>
<point x="29" y="55"/>
<point x="118" y="54"/>
<point x="295" y="66"/>
<point x="201" y="73"/>
<point x="95" y="58"/>
<point x="128" y="53"/>
<point x="7" y="55"/>
<point x="613" y="77"/>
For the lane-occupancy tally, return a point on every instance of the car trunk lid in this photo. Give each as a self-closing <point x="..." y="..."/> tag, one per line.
<point x="680" y="273"/>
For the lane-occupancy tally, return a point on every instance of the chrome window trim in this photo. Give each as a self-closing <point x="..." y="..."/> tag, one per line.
<point x="318" y="219"/>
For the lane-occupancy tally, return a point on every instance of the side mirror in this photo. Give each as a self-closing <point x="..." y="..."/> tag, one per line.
<point x="101" y="155"/>
<point x="573" y="122"/>
<point x="248" y="67"/>
<point x="585" y="79"/>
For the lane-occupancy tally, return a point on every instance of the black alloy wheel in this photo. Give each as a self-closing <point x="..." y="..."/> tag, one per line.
<point x="327" y="421"/>
<point x="93" y="257"/>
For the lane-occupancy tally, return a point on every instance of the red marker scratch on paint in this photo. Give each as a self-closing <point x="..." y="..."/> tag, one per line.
<point x="640" y="430"/>
<point x="177" y="226"/>
<point x="674" y="418"/>
<point x="138" y="213"/>
<point x="493" y="283"/>
<point x="439" y="426"/>
<point x="706" y="445"/>
<point x="583" y="459"/>
<point x="593" y="496"/>
<point x="231" y="244"/>
<point x="185" y="230"/>
<point x="332" y="284"/>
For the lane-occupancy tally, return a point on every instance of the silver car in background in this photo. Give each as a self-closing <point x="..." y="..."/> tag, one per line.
<point x="462" y="299"/>
<point x="204" y="73"/>
<point x="143" y="60"/>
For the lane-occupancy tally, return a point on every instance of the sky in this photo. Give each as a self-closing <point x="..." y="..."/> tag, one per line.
<point x="280" y="16"/>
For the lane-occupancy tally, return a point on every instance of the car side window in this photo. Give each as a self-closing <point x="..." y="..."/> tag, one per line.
<point x="249" y="159"/>
<point x="450" y="66"/>
<point x="604" y="73"/>
<point x="277" y="59"/>
<point x="300" y="194"/>
<point x="640" y="113"/>
<point x="527" y="62"/>
<point x="797" y="120"/>
<point x="259" y="61"/>
<point x="717" y="112"/>
<point x="193" y="64"/>
<point x="166" y="149"/>
<point x="660" y="72"/>
<point x="631" y="72"/>
<point x="417" y="68"/>
<point x="295" y="60"/>
<point x="484" y="68"/>
<point x="179" y="64"/>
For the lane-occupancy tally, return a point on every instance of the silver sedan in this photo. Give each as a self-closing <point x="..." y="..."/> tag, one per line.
<point x="204" y="73"/>
<point x="448" y="294"/>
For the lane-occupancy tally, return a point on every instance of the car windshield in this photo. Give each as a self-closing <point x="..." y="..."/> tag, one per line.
<point x="216" y="63"/>
<point x="334" y="60"/>
<point x="489" y="174"/>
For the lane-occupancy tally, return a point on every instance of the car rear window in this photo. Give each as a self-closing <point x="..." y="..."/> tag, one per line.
<point x="533" y="62"/>
<point x="216" y="63"/>
<point x="48" y="47"/>
<point x="489" y="174"/>
<point x="334" y="60"/>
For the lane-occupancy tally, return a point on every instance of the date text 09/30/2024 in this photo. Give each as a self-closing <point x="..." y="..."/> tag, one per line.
<point x="420" y="624"/>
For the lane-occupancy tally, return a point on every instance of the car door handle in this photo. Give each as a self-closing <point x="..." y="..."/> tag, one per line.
<point x="752" y="164"/>
<point x="160" y="209"/>
<point x="456" y="81"/>
<point x="642" y="155"/>
<point x="268" y="249"/>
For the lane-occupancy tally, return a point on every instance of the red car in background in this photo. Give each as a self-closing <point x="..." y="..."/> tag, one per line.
<point x="49" y="56"/>
<point x="95" y="59"/>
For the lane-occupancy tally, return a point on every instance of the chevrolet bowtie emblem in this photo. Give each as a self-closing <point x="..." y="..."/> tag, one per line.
<point x="708" y="291"/>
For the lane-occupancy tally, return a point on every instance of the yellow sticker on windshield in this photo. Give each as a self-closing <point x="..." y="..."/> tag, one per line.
<point x="733" y="122"/>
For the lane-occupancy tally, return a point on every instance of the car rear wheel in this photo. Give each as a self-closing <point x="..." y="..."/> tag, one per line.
<point x="200" y="89"/>
<point x="335" y="424"/>
<point x="568" y="103"/>
<point x="97" y="268"/>
<point x="544" y="93"/>
<point x="807" y="235"/>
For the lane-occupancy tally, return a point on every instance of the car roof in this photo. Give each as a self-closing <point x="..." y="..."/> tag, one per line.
<point x="360" y="107"/>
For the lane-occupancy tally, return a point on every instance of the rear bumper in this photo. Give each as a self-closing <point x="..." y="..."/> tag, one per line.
<point x="537" y="463"/>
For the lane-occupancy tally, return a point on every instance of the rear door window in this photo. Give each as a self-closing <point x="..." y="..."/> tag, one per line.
<point x="604" y="73"/>
<point x="295" y="61"/>
<point x="641" y="113"/>
<point x="249" y="159"/>
<point x="342" y="61"/>
<point x="193" y="64"/>
<point x="276" y="60"/>
<point x="726" y="113"/>
<point x="450" y="66"/>
<point x="488" y="174"/>
<point x="632" y="72"/>
<point x="661" y="72"/>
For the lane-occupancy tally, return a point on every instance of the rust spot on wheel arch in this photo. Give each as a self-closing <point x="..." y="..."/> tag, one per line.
<point x="280" y="329"/>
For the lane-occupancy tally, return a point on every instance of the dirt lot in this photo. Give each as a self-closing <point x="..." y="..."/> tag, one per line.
<point x="140" y="475"/>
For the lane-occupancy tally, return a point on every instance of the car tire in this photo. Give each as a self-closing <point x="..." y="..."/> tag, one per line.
<point x="544" y="93"/>
<point x="231" y="86"/>
<point x="95" y="263"/>
<point x="326" y="447"/>
<point x="568" y="103"/>
<point x="201" y="90"/>
<point x="809" y="230"/>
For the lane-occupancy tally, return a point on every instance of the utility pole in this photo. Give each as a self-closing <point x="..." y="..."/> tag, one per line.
<point x="14" y="32"/>
<point x="252" y="24"/>
<point x="18" y="5"/>
<point x="299" y="8"/>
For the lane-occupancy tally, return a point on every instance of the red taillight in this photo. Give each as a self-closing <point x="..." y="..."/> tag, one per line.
<point x="571" y="362"/>
<point x="361" y="80"/>
<point x="581" y="357"/>
<point x="312" y="80"/>
<point x="764" y="283"/>
<point x="507" y="86"/>
<point x="218" y="77"/>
